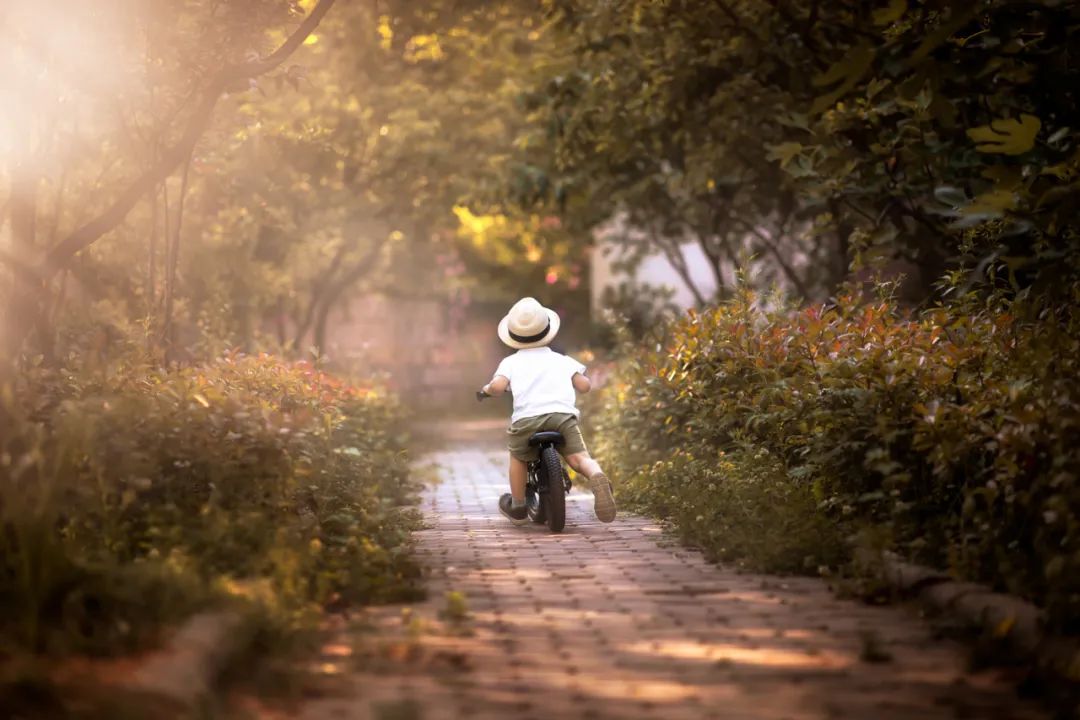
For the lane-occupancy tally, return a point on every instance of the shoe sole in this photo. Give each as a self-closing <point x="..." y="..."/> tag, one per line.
<point x="603" y="502"/>
<point x="512" y="519"/>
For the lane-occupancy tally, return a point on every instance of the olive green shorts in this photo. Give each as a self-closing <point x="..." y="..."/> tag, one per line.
<point x="519" y="432"/>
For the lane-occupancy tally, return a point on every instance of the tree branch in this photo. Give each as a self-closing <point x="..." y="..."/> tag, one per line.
<point x="365" y="266"/>
<point x="171" y="158"/>
<point x="771" y="246"/>
<point x="675" y="258"/>
<point x="320" y="285"/>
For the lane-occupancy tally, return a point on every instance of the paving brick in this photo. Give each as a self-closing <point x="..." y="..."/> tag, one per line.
<point x="615" y="621"/>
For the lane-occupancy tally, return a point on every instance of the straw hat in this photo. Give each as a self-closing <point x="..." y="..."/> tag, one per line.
<point x="528" y="325"/>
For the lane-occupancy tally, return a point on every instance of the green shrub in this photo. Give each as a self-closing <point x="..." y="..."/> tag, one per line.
<point x="250" y="478"/>
<point x="954" y="434"/>
<point x="738" y="507"/>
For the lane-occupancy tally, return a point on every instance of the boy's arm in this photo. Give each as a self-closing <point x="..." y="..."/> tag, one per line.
<point x="581" y="383"/>
<point x="500" y="381"/>
<point x="498" y="385"/>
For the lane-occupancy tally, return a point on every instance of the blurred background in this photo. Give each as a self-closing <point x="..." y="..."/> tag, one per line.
<point x="380" y="193"/>
<point x="823" y="257"/>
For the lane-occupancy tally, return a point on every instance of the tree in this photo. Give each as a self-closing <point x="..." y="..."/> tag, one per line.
<point x="656" y="117"/>
<point x="923" y="131"/>
<point x="230" y="42"/>
<point x="409" y="115"/>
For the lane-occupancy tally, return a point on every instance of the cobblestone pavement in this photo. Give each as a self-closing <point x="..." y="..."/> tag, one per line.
<point x="614" y="621"/>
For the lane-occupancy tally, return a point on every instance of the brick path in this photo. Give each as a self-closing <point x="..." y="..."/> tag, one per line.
<point x="613" y="621"/>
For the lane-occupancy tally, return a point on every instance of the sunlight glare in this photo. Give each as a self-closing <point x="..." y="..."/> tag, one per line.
<point x="65" y="63"/>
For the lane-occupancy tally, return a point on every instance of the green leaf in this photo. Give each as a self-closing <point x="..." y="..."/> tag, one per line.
<point x="847" y="71"/>
<point x="941" y="34"/>
<point x="1009" y="136"/>
<point x="854" y="63"/>
<point x="784" y="152"/>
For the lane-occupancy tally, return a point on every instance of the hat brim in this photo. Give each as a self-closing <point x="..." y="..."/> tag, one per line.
<point x="553" y="330"/>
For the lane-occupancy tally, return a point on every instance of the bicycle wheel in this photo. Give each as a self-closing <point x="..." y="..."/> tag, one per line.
<point x="534" y="504"/>
<point x="555" y="504"/>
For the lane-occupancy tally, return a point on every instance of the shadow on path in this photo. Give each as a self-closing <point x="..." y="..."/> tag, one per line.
<point x="614" y="621"/>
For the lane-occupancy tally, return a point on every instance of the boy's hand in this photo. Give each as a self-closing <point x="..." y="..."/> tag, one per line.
<point x="494" y="388"/>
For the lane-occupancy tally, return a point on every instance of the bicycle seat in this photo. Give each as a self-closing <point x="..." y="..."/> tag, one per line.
<point x="546" y="436"/>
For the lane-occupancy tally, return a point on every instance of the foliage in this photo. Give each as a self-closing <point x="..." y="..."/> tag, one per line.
<point x="632" y="310"/>
<point x="121" y="95"/>
<point x="336" y="173"/>
<point x="135" y="495"/>
<point x="737" y="506"/>
<point x="819" y="134"/>
<point x="952" y="433"/>
<point x="951" y="121"/>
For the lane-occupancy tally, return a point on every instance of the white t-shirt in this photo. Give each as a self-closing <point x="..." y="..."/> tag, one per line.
<point x="540" y="380"/>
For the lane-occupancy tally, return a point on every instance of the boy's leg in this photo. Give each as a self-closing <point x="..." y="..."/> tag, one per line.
<point x="577" y="455"/>
<point x="603" y="500"/>
<point x="518" y="475"/>
<point x="512" y="504"/>
<point x="584" y="464"/>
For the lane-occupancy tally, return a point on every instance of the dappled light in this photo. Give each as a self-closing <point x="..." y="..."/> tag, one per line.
<point x="486" y="358"/>
<point x="767" y="657"/>
<point x="588" y="625"/>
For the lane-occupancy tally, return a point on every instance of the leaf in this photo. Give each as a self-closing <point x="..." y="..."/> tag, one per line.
<point x="847" y="71"/>
<point x="784" y="152"/>
<point x="890" y="14"/>
<point x="1008" y="136"/>
<point x="853" y="63"/>
<point x="990" y="205"/>
<point x="1064" y="171"/>
<point x="941" y="34"/>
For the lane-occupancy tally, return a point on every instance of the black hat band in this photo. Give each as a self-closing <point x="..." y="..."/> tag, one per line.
<point x="529" y="338"/>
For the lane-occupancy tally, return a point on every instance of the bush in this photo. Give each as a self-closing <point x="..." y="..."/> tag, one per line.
<point x="953" y="434"/>
<point x="245" y="477"/>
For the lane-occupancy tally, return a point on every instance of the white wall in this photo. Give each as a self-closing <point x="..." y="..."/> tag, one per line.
<point x="654" y="269"/>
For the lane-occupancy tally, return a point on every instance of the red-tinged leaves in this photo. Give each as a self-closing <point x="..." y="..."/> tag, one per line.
<point x="917" y="420"/>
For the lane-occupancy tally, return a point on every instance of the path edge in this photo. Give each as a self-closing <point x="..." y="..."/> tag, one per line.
<point x="187" y="670"/>
<point x="1017" y="623"/>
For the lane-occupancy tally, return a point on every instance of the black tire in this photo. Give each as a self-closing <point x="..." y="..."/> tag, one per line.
<point x="534" y="505"/>
<point x="554" y="500"/>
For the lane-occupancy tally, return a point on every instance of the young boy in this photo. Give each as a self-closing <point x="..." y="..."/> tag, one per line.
<point x="543" y="384"/>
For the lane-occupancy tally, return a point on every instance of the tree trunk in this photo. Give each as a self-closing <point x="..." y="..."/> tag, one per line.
<point x="151" y="263"/>
<point x="27" y="303"/>
<point x="716" y="263"/>
<point x="319" y="338"/>
<point x="29" y="306"/>
<point x="787" y="268"/>
<point x="672" y="250"/>
<point x="318" y="289"/>
<point x="843" y="246"/>
<point x="171" y="158"/>
<point x="364" y="267"/>
<point x="173" y="263"/>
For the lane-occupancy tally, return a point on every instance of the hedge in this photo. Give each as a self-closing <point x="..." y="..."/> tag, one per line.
<point x="131" y="497"/>
<point x="773" y="436"/>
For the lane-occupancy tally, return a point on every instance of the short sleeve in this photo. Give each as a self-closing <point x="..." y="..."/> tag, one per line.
<point x="506" y="368"/>
<point x="574" y="365"/>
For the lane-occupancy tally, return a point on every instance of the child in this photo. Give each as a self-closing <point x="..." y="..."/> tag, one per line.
<point x="543" y="384"/>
